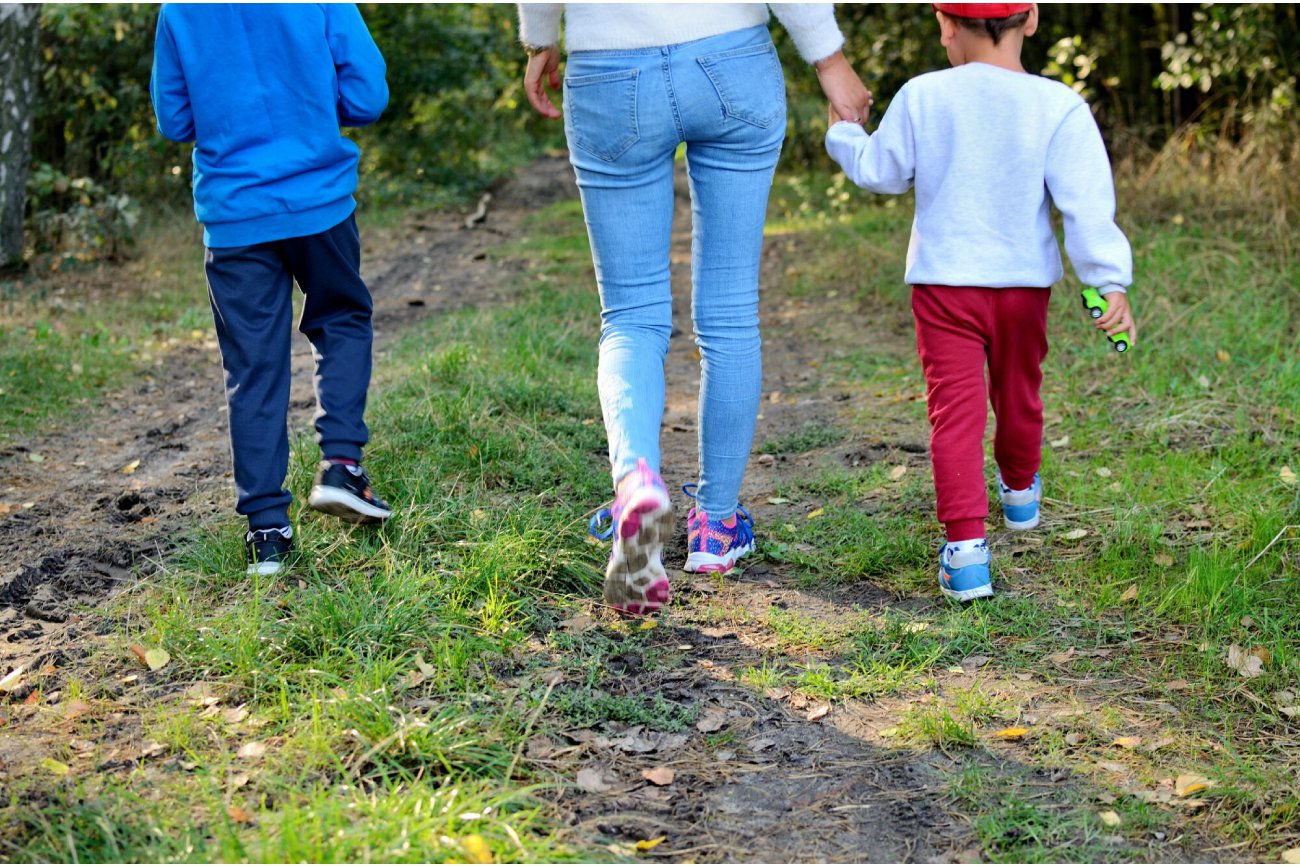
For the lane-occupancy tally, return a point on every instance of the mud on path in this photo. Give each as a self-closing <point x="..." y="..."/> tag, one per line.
<point x="757" y="777"/>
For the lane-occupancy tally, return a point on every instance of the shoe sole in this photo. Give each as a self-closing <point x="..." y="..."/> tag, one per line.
<point x="1021" y="525"/>
<point x="636" y="582"/>
<point x="345" y="506"/>
<point x="265" y="568"/>
<point x="702" y="561"/>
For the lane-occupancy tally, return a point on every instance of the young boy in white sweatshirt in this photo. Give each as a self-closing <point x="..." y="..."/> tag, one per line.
<point x="989" y="148"/>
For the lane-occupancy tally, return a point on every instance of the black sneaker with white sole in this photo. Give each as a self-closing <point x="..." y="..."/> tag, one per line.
<point x="343" y="490"/>
<point x="268" y="550"/>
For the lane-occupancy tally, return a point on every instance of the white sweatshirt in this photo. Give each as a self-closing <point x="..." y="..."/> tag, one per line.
<point x="986" y="147"/>
<point x="605" y="26"/>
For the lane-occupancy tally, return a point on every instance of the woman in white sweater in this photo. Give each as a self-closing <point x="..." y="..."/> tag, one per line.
<point x="642" y="79"/>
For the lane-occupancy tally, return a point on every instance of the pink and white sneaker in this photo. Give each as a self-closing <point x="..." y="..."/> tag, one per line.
<point x="715" y="546"/>
<point x="640" y="522"/>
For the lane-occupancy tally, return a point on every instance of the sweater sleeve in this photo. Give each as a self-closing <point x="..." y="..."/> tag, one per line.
<point x="884" y="162"/>
<point x="812" y="27"/>
<point x="1079" y="181"/>
<point x="363" y="92"/>
<point x="167" y="88"/>
<point x="539" y="23"/>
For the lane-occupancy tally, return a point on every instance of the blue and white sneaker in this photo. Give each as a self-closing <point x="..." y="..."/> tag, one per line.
<point x="1020" y="508"/>
<point x="964" y="570"/>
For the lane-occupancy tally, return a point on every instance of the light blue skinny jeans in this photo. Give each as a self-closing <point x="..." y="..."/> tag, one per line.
<point x="625" y="113"/>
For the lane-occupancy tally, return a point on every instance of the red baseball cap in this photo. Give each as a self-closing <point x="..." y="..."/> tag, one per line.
<point x="982" y="10"/>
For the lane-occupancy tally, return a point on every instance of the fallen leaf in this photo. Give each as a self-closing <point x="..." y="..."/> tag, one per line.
<point x="1063" y="657"/>
<point x="818" y="712"/>
<point x="1188" y="784"/>
<point x="35" y="458"/>
<point x="659" y="776"/>
<point x="1291" y="856"/>
<point x="647" y="845"/>
<point x="648" y="624"/>
<point x="776" y="693"/>
<point x="1290" y="711"/>
<point x="11" y="680"/>
<point x="1074" y="738"/>
<point x="56" y="767"/>
<point x="252" y="750"/>
<point x="131" y="467"/>
<point x="81" y="745"/>
<point x="1130" y="594"/>
<point x="1061" y="443"/>
<point x="898" y="472"/>
<point x="1223" y="356"/>
<point x="156" y="658"/>
<point x="1176" y="684"/>
<point x="577" y="623"/>
<point x="1203" y="381"/>
<point x="1104" y="472"/>
<point x="425" y="668"/>
<point x="590" y="780"/>
<point x="477" y="849"/>
<point x="1163" y="560"/>
<point x="1109" y="818"/>
<point x="75" y="708"/>
<point x="238" y="814"/>
<point x="1287" y="475"/>
<point x="777" y="501"/>
<point x="238" y="781"/>
<point x="1077" y="533"/>
<point x="412" y="679"/>
<point x="1128" y="743"/>
<point x="714" y="718"/>
<point x="975" y="662"/>
<point x="1011" y="734"/>
<point x="1265" y="655"/>
<point x="1245" y="664"/>
<point x="815" y="513"/>
<point x="233" y="715"/>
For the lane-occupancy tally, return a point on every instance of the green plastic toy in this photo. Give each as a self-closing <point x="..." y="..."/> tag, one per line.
<point x="1096" y="305"/>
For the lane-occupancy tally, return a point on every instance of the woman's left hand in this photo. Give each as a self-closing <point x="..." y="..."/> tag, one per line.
<point x="543" y="69"/>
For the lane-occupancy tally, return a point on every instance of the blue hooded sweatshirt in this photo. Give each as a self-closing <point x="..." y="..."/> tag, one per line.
<point x="261" y="90"/>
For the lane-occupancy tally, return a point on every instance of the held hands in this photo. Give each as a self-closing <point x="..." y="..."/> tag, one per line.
<point x="1118" y="317"/>
<point x="543" y="69"/>
<point x="849" y="98"/>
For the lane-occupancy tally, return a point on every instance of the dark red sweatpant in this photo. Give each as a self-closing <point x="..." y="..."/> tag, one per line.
<point x="958" y="330"/>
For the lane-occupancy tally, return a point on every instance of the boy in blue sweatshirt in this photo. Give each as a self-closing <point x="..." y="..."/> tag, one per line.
<point x="261" y="90"/>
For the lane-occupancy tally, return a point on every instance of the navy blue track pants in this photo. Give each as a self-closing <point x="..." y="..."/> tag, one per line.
<point x="251" y="289"/>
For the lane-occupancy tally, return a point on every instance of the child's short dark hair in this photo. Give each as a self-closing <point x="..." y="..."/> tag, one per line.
<point x="993" y="28"/>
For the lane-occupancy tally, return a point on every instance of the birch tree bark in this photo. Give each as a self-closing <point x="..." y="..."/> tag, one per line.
<point x="19" y="23"/>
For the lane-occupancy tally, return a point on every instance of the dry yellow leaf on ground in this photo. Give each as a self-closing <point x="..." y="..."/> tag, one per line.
<point x="647" y="845"/>
<point x="1011" y="734"/>
<point x="816" y="513"/>
<point x="1128" y="743"/>
<point x="1189" y="784"/>
<point x="1109" y="818"/>
<point x="56" y="767"/>
<point x="1130" y="594"/>
<point x="477" y="849"/>
<point x="131" y="467"/>
<point x="1077" y="533"/>
<point x="659" y="776"/>
<point x="1291" y="856"/>
<point x="898" y="472"/>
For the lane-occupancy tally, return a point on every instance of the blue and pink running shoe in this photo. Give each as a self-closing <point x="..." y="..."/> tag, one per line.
<point x="715" y="546"/>
<point x="641" y="521"/>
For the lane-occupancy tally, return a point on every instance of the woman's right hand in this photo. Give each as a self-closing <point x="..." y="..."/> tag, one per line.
<point x="849" y="97"/>
<point x="543" y="69"/>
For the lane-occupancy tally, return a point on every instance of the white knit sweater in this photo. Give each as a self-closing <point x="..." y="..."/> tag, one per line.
<point x="604" y="26"/>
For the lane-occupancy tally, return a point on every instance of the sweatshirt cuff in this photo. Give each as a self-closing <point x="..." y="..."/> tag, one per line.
<point x="539" y="23"/>
<point x="812" y="27"/>
<point x="1111" y="288"/>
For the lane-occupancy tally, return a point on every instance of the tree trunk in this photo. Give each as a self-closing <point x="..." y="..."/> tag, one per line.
<point x="19" y="23"/>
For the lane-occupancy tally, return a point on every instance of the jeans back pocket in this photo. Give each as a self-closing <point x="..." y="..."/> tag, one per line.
<point x="600" y="113"/>
<point x="749" y="83"/>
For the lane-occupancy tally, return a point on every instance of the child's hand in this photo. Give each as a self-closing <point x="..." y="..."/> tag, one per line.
<point x="834" y="116"/>
<point x="1118" y="317"/>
